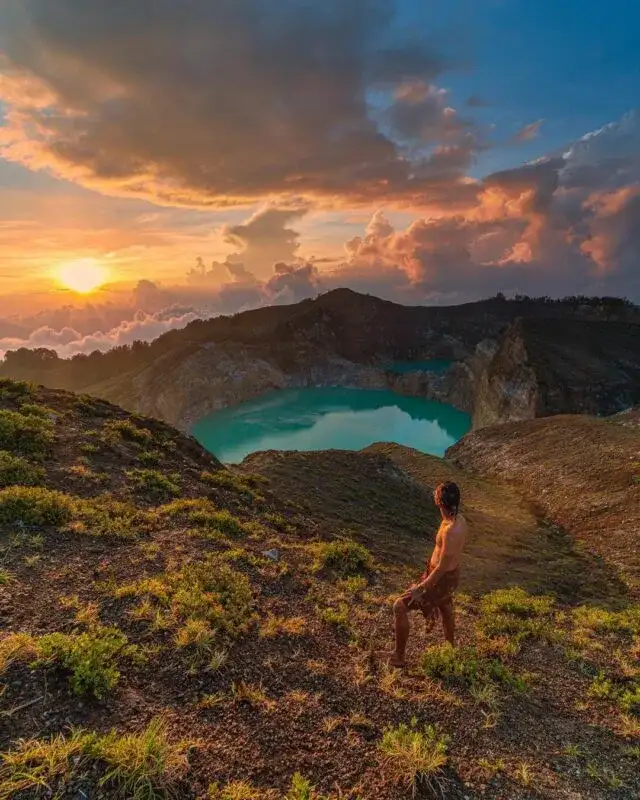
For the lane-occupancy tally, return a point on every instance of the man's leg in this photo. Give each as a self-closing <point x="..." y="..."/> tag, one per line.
<point x="448" y="621"/>
<point x="401" y="629"/>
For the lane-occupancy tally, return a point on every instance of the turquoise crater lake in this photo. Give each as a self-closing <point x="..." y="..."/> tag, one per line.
<point x="326" y="419"/>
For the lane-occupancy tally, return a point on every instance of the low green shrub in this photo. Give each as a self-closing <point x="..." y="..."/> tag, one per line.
<point x="149" y="458"/>
<point x="200" y="602"/>
<point x="626" y="694"/>
<point x="514" y="613"/>
<point x="516" y="602"/>
<point x="592" y="619"/>
<point x="37" y="410"/>
<point x="35" y="506"/>
<point x="102" y="516"/>
<point x="16" y="391"/>
<point x="343" y="557"/>
<point x="464" y="667"/>
<point x="230" y="481"/>
<point x="92" y="658"/>
<point x="153" y="483"/>
<point x="25" y="434"/>
<point x="115" y="429"/>
<point x="203" y="514"/>
<point x="17" y="470"/>
<point x="339" y="618"/>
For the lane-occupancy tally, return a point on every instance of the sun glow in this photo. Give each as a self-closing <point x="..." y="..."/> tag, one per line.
<point x="82" y="276"/>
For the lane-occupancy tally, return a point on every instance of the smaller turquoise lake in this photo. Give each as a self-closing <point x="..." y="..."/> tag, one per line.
<point x="404" y="367"/>
<point x="327" y="419"/>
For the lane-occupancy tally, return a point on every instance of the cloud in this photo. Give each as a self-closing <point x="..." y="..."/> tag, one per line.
<point x="292" y="283"/>
<point x="220" y="104"/>
<point x="68" y="342"/>
<point x="265" y="239"/>
<point x="528" y="132"/>
<point x="560" y="225"/>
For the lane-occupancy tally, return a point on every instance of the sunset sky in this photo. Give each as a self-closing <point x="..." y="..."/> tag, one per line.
<point x="427" y="152"/>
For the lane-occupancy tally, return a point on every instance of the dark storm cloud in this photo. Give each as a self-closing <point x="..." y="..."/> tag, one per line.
<point x="218" y="103"/>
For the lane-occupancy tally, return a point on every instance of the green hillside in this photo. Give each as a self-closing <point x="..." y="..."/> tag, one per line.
<point x="170" y="628"/>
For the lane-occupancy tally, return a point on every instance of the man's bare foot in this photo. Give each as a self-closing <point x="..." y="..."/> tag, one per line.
<point x="391" y="658"/>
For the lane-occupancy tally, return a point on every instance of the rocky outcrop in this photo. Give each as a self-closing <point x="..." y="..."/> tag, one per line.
<point x="545" y="367"/>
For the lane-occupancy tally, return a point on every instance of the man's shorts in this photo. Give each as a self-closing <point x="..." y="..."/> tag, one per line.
<point x="436" y="596"/>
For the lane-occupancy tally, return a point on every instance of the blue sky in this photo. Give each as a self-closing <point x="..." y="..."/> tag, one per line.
<point x="573" y="63"/>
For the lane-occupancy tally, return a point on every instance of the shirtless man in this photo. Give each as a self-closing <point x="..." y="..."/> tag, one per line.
<point x="434" y="592"/>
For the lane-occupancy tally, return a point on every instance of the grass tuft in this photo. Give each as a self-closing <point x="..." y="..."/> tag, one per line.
<point x="143" y="766"/>
<point x="412" y="757"/>
<point x="274" y="626"/>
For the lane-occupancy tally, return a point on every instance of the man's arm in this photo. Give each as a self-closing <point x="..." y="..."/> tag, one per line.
<point x="445" y="562"/>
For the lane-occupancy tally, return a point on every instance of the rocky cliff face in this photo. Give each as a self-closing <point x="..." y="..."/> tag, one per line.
<point x="544" y="367"/>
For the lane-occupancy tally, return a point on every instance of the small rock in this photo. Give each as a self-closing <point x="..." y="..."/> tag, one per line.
<point x="273" y="554"/>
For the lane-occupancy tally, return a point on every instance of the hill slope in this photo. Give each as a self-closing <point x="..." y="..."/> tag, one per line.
<point x="147" y="625"/>
<point x="582" y="471"/>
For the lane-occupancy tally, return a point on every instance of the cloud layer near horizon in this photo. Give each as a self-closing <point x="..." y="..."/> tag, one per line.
<point x="566" y="224"/>
<point x="225" y="103"/>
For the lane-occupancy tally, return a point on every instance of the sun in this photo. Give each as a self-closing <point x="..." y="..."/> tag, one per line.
<point x="82" y="276"/>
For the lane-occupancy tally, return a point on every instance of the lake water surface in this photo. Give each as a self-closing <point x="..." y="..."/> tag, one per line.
<point x="324" y="419"/>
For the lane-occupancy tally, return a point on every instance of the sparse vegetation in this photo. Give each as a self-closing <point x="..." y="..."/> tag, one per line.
<point x="201" y="602"/>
